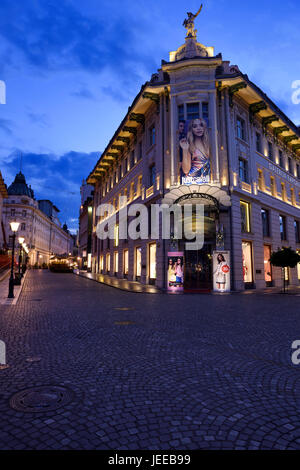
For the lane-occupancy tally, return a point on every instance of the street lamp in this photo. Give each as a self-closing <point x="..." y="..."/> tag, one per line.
<point x="14" y="228"/>
<point x="21" y="241"/>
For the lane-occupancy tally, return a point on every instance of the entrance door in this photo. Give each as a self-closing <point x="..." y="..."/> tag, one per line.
<point x="198" y="269"/>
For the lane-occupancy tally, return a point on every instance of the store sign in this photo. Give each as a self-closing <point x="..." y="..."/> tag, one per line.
<point x="284" y="175"/>
<point x="175" y="271"/>
<point x="221" y="271"/>
<point x="194" y="153"/>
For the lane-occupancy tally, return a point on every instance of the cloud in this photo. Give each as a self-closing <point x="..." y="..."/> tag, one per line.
<point x="54" y="35"/>
<point x="6" y="126"/>
<point x="83" y="93"/>
<point x="54" y="177"/>
<point x="40" y="119"/>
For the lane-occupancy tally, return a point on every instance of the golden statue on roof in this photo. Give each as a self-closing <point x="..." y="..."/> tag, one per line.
<point x="189" y="23"/>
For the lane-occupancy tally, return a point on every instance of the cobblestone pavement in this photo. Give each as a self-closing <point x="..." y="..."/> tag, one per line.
<point x="150" y="371"/>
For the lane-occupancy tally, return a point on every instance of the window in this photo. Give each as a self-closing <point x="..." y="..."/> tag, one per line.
<point x="283" y="192"/>
<point x="116" y="235"/>
<point x="265" y="222"/>
<point x="152" y="261"/>
<point x="125" y="265"/>
<point x="290" y="165"/>
<point x="243" y="170"/>
<point x="260" y="180"/>
<point x="241" y="128"/>
<point x="24" y="213"/>
<point x="267" y="265"/>
<point x="205" y="113"/>
<point x="282" y="223"/>
<point x="12" y="212"/>
<point x="23" y="226"/>
<point x="140" y="152"/>
<point x="258" y="142"/>
<point x="101" y="263"/>
<point x="192" y="111"/>
<point x="138" y="263"/>
<point x="125" y="166"/>
<point x="152" y="175"/>
<point x="298" y="170"/>
<point x="281" y="158"/>
<point x="120" y="172"/>
<point x="152" y="135"/>
<point x="116" y="262"/>
<point x="297" y="230"/>
<point x="293" y="199"/>
<point x="245" y="216"/>
<point x="247" y="262"/>
<point x="180" y="112"/>
<point x="270" y="150"/>
<point x="132" y="159"/>
<point x="273" y="188"/>
<point x="108" y="262"/>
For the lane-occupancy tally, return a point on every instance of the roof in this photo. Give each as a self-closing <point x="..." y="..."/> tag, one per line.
<point x="3" y="189"/>
<point x="19" y="187"/>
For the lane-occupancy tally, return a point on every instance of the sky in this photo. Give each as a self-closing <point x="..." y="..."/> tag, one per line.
<point x="71" y="70"/>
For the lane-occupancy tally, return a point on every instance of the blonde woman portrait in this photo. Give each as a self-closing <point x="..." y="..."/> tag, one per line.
<point x="195" y="150"/>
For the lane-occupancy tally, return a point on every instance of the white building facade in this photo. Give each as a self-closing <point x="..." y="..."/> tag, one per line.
<point x="43" y="235"/>
<point x="201" y="131"/>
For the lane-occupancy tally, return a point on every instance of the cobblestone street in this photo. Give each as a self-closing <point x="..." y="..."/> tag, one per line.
<point x="150" y="371"/>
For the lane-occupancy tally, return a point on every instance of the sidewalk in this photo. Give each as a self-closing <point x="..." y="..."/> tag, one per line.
<point x="122" y="284"/>
<point x="4" y="286"/>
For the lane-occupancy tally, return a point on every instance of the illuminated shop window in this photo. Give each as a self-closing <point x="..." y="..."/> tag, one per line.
<point x="247" y="261"/>
<point x="245" y="217"/>
<point x="138" y="262"/>
<point x="125" y="264"/>
<point x="116" y="235"/>
<point x="267" y="264"/>
<point x="152" y="261"/>
<point x="108" y="262"/>
<point x="101" y="263"/>
<point x="116" y="262"/>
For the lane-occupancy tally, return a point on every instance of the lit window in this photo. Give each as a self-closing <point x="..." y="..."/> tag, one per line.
<point x="116" y="262"/>
<point x="152" y="261"/>
<point x="260" y="180"/>
<point x="125" y="265"/>
<point x="293" y="199"/>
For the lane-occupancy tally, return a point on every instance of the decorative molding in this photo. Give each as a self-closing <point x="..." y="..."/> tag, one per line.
<point x="139" y="118"/>
<point x="268" y="120"/>
<point x="154" y="97"/>
<point x="234" y="89"/>
<point x="255" y="108"/>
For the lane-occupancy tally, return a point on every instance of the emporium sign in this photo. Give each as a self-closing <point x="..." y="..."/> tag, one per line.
<point x="282" y="174"/>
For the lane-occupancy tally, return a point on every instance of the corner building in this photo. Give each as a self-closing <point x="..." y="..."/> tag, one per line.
<point x="243" y="165"/>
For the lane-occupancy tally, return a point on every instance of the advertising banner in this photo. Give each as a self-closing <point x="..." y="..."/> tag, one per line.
<point x="221" y="271"/>
<point x="194" y="152"/>
<point x="175" y="271"/>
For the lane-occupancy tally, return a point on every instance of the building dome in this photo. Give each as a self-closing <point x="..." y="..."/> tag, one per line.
<point x="19" y="187"/>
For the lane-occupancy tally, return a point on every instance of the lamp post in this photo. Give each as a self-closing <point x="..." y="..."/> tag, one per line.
<point x="21" y="241"/>
<point x="14" y="228"/>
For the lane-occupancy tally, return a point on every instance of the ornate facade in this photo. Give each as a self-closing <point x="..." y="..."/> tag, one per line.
<point x="200" y="130"/>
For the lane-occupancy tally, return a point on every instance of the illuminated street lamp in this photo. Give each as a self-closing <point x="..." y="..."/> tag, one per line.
<point x="14" y="226"/>
<point x="21" y="241"/>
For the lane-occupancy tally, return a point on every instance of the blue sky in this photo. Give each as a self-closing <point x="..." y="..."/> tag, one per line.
<point x="72" y="69"/>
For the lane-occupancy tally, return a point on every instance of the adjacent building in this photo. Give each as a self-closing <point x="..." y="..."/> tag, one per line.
<point x="201" y="132"/>
<point x="3" y="195"/>
<point x="39" y="223"/>
<point x="85" y="227"/>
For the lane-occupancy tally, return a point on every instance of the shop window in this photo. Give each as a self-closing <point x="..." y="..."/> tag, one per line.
<point x="265" y="218"/>
<point x="125" y="264"/>
<point x="247" y="262"/>
<point x="116" y="235"/>
<point x="138" y="263"/>
<point x="152" y="261"/>
<point x="281" y="163"/>
<point x="270" y="150"/>
<point x="101" y="264"/>
<point x="192" y="110"/>
<point x="267" y="265"/>
<point x="116" y="262"/>
<point x="245" y="217"/>
<point x="243" y="170"/>
<point x="282" y="223"/>
<point x="297" y="230"/>
<point x="108" y="263"/>
<point x="241" y="128"/>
